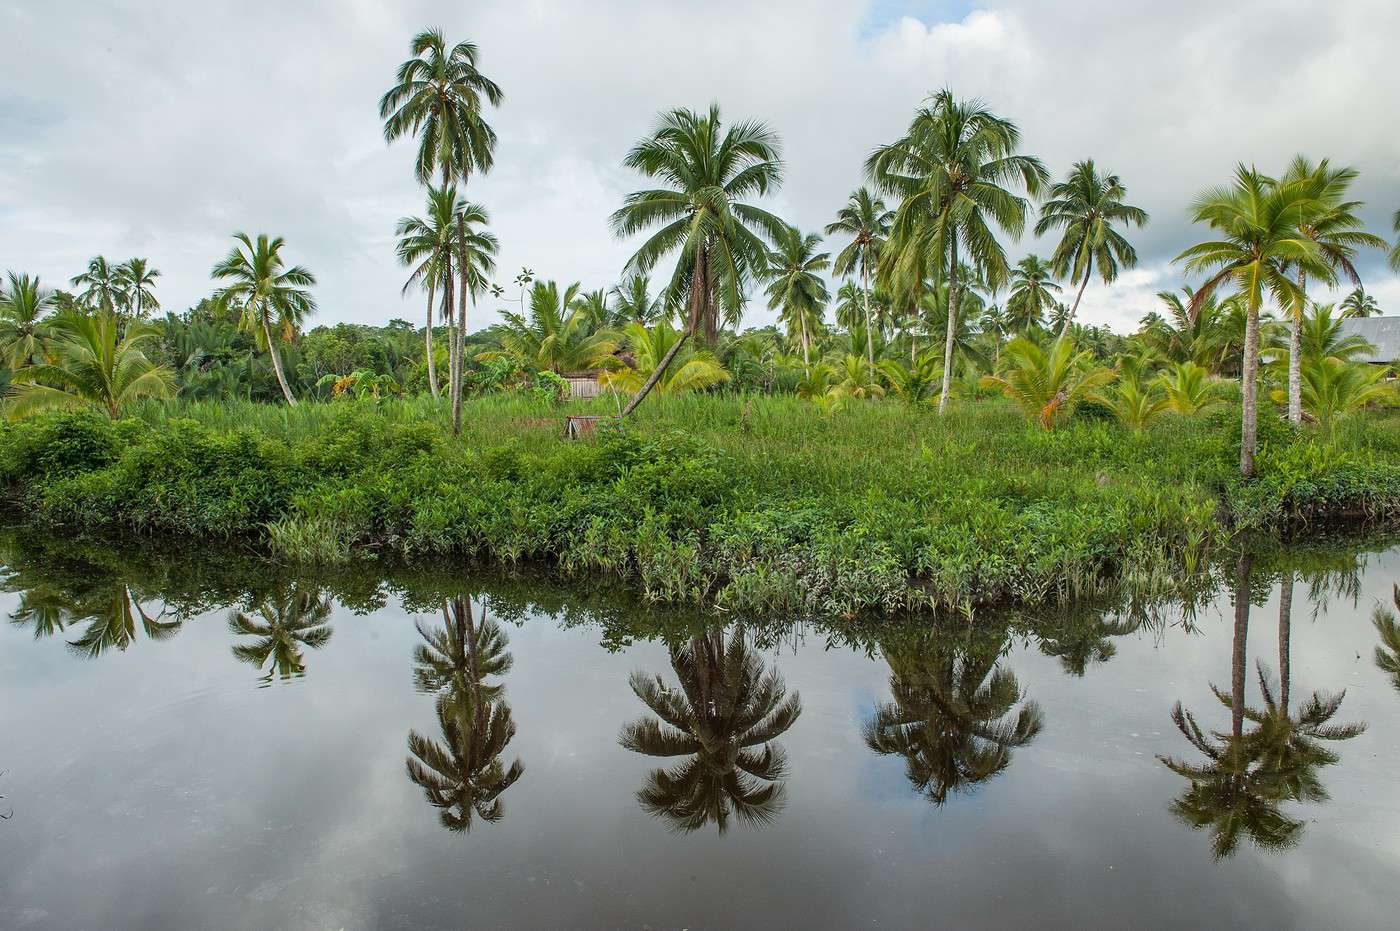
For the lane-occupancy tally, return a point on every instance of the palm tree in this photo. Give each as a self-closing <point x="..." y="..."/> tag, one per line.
<point x="1088" y="206"/>
<point x="916" y="383"/>
<point x="1081" y="640"/>
<point x="1394" y="254"/>
<point x="557" y="335"/>
<point x="456" y="658"/>
<point x="112" y="616"/>
<point x="1332" y="223"/>
<point x="102" y="286"/>
<point x="717" y="236"/>
<point x="949" y="172"/>
<point x="267" y="294"/>
<point x="953" y="713"/>
<point x="857" y="378"/>
<point x="1046" y="383"/>
<point x="1322" y="336"/>
<point x="866" y="220"/>
<point x="437" y="96"/>
<point x="1360" y="304"/>
<point x="425" y="246"/>
<point x="93" y="368"/>
<point x="137" y="280"/>
<point x="1333" y="388"/>
<point x="1033" y="291"/>
<point x="724" y="719"/>
<point x="1188" y="388"/>
<point x="288" y="619"/>
<point x="1257" y="222"/>
<point x="632" y="301"/>
<point x="689" y="370"/>
<point x="1202" y="335"/>
<point x="1134" y="403"/>
<point x="23" y="330"/>
<point x="796" y="288"/>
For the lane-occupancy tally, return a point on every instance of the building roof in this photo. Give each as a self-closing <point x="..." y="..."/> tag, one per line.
<point x="1381" y="332"/>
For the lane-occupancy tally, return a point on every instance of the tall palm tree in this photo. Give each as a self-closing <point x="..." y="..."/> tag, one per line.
<point x="437" y="96"/>
<point x="1394" y="255"/>
<point x="283" y="622"/>
<point x="724" y="719"/>
<point x="708" y="172"/>
<point x="1360" y="304"/>
<point x="1257" y="222"/>
<point x="556" y="335"/>
<point x="1033" y="291"/>
<point x="1088" y="206"/>
<point x="101" y="284"/>
<point x="796" y="288"/>
<point x="950" y="172"/>
<point x="23" y="331"/>
<point x="1332" y="223"/>
<point x="137" y="281"/>
<point x="867" y="221"/>
<point x="425" y="246"/>
<point x="93" y="368"/>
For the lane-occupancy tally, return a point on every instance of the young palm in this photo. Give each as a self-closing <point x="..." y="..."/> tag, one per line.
<point x="1333" y="388"/>
<point x="708" y="172"/>
<point x="1188" y="388"/>
<point x="691" y="370"/>
<point x="1046" y="383"/>
<point x="101" y="284"/>
<point x="1088" y="206"/>
<point x="95" y="368"/>
<point x="1257" y="221"/>
<point x="796" y="288"/>
<point x="1333" y="224"/>
<point x="425" y="246"/>
<point x="866" y="220"/>
<point x="1033" y="291"/>
<point x="1135" y="402"/>
<point x="950" y="172"/>
<point x="437" y="96"/>
<point x="23" y="333"/>
<point x="557" y="335"/>
<point x="271" y="298"/>
<point x="137" y="281"/>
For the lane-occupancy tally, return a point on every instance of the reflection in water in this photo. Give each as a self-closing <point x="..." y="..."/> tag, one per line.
<point x="1388" y="652"/>
<point x="1249" y="773"/>
<point x="951" y="717"/>
<point x="292" y="617"/>
<point x="723" y="719"/>
<point x="1080" y="640"/>
<point x="462" y="775"/>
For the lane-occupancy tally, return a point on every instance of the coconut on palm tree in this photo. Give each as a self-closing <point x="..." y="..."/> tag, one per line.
<point x="1032" y="295"/>
<point x="1089" y="208"/>
<point x="950" y="173"/>
<point x="93" y="367"/>
<point x="702" y="215"/>
<point x="270" y="297"/>
<point x="867" y="221"/>
<point x="23" y="330"/>
<point x="796" y="288"/>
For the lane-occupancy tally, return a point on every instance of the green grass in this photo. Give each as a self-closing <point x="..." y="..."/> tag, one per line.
<point x="755" y="505"/>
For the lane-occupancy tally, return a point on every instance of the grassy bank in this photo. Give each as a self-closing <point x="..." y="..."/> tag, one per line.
<point x="759" y="505"/>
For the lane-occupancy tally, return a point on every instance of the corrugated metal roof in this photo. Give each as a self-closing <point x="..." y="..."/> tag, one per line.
<point x="1381" y="332"/>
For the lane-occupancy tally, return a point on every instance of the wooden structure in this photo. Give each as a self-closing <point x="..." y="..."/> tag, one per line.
<point x="584" y="384"/>
<point x="577" y="426"/>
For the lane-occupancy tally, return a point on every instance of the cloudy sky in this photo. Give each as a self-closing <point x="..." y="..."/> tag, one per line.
<point x="157" y="128"/>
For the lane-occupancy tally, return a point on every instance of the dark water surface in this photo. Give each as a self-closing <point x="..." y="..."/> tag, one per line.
<point x="192" y="741"/>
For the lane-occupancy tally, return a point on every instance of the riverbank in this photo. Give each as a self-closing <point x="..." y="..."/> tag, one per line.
<point x="752" y="505"/>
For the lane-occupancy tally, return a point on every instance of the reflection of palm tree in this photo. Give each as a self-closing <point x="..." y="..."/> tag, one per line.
<point x="287" y="620"/>
<point x="1388" y="653"/>
<point x="44" y="609"/>
<point x="463" y="775"/>
<point x="949" y="721"/>
<point x="113" y="623"/>
<point x="723" y="718"/>
<point x="1080" y="642"/>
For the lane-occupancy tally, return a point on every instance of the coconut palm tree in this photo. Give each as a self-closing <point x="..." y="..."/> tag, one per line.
<point x="916" y="383"/>
<point x="1332" y="223"/>
<point x="796" y="288"/>
<point x="633" y="301"/>
<point x="1322" y="336"/>
<point x="426" y="245"/>
<point x="93" y="368"/>
<point x="1360" y="304"/>
<point x="1256" y="221"/>
<point x="950" y="173"/>
<point x="1080" y="640"/>
<point x="282" y="623"/>
<point x="1033" y="291"/>
<point x="438" y="97"/>
<point x="23" y="330"/>
<point x="112" y="614"/>
<point x="1202" y="336"/>
<point x="723" y="719"/>
<point x="703" y="218"/>
<point x="1394" y="255"/>
<point x="557" y="335"/>
<point x="1188" y="389"/>
<point x="691" y="369"/>
<point x="271" y="298"/>
<point x="1047" y="382"/>
<point x="101" y="284"/>
<point x="1089" y="207"/>
<point x="1134" y="402"/>
<point x="137" y="279"/>
<point x="857" y="378"/>
<point x="867" y="221"/>
<point x="953" y="714"/>
<point x="1334" y="388"/>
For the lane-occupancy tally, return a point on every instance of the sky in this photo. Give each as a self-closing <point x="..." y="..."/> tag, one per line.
<point x="159" y="129"/>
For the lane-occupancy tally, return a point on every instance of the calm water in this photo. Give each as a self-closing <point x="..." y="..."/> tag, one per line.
<point x="192" y="741"/>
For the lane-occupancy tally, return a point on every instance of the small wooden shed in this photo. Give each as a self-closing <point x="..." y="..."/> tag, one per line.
<point x="584" y="384"/>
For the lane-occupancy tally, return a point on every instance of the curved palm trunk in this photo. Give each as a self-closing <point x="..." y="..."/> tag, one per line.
<point x="1249" y="404"/>
<point x="952" y="324"/>
<point x="1077" y="298"/>
<point x="869" y="323"/>
<point x="1285" y="631"/>
<point x="276" y="361"/>
<point x="697" y="310"/>
<point x="806" y="345"/>
<point x="1237" y="657"/>
<point x="1295" y="354"/>
<point x="428" y="341"/>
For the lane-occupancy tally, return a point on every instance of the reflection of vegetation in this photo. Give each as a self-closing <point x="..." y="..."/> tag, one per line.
<point x="287" y="620"/>
<point x="108" y="606"/>
<point x="112" y="620"/>
<point x="723" y="719"/>
<point x="1079" y="641"/>
<point x="951" y="715"/>
<point x="1388" y="652"/>
<point x="463" y="775"/>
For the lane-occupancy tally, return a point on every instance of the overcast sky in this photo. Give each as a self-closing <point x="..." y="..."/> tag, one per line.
<point x="159" y="128"/>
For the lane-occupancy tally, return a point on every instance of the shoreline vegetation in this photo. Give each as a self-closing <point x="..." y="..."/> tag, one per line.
<point x="744" y="504"/>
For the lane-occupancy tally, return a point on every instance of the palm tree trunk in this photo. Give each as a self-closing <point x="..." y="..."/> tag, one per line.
<point x="1077" y="298"/>
<point x="806" y="346"/>
<point x="660" y="369"/>
<point x="463" y="272"/>
<point x="1295" y="354"/>
<point x="428" y="341"/>
<point x="447" y="288"/>
<point x="276" y="361"/>
<point x="1249" y="405"/>
<point x="1237" y="659"/>
<point x="952" y="323"/>
<point x="869" y="324"/>
<point x="1285" y="631"/>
